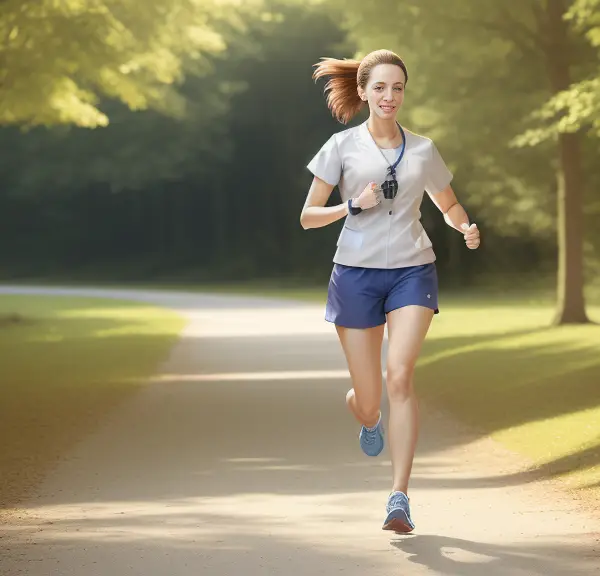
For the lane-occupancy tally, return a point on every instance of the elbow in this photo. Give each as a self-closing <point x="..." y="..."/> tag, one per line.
<point x="304" y="221"/>
<point x="447" y="210"/>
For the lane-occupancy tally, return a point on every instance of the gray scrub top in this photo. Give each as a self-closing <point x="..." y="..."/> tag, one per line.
<point x="389" y="235"/>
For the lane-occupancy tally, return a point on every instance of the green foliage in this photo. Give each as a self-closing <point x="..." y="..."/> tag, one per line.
<point x="59" y="58"/>
<point x="135" y="151"/>
<point x="216" y="193"/>
<point x="579" y="106"/>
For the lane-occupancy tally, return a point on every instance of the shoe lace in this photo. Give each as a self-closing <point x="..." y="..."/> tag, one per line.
<point x="397" y="500"/>
<point x="370" y="436"/>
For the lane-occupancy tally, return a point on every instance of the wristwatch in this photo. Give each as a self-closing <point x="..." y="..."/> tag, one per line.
<point x="353" y="210"/>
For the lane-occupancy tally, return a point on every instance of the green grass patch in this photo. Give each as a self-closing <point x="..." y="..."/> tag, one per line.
<point x="64" y="363"/>
<point x="536" y="389"/>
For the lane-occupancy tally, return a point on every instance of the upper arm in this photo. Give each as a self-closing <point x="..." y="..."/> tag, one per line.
<point x="438" y="179"/>
<point x="318" y="193"/>
<point x="444" y="199"/>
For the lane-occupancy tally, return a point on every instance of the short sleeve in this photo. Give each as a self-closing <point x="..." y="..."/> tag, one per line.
<point x="327" y="164"/>
<point x="437" y="174"/>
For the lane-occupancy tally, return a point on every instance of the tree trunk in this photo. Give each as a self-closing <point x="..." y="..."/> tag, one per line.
<point x="570" y="302"/>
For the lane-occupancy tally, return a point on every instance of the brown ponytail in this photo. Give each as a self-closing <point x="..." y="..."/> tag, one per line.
<point x="344" y="78"/>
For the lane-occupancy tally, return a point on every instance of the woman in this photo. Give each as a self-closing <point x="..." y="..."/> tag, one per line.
<point x="384" y="265"/>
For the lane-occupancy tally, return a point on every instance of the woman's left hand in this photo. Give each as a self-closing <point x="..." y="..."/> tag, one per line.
<point x="471" y="236"/>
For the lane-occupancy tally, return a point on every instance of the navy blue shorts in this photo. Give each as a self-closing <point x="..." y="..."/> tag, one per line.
<point x="361" y="297"/>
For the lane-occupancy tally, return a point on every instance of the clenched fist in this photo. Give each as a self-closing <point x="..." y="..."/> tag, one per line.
<point x="471" y="236"/>
<point x="369" y="197"/>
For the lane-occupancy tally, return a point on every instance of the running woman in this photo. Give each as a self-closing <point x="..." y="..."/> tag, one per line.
<point x="384" y="266"/>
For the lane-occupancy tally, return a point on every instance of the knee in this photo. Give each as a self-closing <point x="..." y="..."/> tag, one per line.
<point x="399" y="382"/>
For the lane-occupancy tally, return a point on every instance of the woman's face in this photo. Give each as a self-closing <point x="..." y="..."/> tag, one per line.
<point x="384" y="90"/>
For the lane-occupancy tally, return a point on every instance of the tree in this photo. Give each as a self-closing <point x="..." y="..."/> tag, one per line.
<point x="573" y="106"/>
<point x="577" y="106"/>
<point x="58" y="59"/>
<point x="480" y="68"/>
<point x="215" y="194"/>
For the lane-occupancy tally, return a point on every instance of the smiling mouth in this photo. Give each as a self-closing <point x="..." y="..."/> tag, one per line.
<point x="387" y="108"/>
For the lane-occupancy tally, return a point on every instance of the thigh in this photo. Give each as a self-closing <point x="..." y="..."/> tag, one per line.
<point x="407" y="328"/>
<point x="362" y="349"/>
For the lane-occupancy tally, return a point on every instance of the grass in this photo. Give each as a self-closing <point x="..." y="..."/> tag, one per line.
<point x="503" y="371"/>
<point x="492" y="361"/>
<point x="65" y="363"/>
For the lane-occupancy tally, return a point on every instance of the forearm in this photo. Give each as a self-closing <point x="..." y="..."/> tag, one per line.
<point x="319" y="216"/>
<point x="456" y="216"/>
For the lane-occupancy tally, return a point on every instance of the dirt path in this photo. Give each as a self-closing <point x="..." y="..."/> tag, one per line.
<point x="240" y="459"/>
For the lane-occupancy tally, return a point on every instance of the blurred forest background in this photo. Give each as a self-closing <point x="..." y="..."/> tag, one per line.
<point x="167" y="140"/>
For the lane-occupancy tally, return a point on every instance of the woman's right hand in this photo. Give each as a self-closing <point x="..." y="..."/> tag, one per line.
<point x="369" y="197"/>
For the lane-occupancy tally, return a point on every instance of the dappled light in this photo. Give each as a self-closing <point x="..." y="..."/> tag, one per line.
<point x="188" y="488"/>
<point x="225" y="226"/>
<point x="67" y="365"/>
<point x="255" y="376"/>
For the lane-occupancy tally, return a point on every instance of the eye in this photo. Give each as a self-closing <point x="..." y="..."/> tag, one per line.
<point x="399" y="88"/>
<point x="378" y="88"/>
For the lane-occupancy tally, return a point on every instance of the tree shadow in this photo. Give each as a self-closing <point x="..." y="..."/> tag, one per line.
<point x="262" y="435"/>
<point x="187" y="537"/>
<point x="279" y="418"/>
<point x="460" y="557"/>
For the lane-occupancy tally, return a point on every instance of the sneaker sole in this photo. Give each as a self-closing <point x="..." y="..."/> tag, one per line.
<point x="374" y="455"/>
<point x="397" y="521"/>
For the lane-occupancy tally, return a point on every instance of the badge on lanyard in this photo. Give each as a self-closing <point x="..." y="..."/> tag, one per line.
<point x="390" y="186"/>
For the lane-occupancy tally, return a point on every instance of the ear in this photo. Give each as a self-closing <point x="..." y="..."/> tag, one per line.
<point x="361" y="93"/>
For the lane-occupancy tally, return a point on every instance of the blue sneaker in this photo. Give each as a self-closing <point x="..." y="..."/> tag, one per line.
<point x="371" y="439"/>
<point x="398" y="518"/>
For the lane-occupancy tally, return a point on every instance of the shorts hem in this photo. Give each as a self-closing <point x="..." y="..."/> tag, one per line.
<point x="342" y="324"/>
<point x="435" y="309"/>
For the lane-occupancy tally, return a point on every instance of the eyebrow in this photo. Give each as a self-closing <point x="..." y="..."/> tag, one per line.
<point x="381" y="82"/>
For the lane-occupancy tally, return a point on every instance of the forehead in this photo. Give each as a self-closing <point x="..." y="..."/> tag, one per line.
<point x="387" y="73"/>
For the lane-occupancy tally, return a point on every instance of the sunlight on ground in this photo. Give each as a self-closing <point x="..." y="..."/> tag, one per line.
<point x="266" y="533"/>
<point x="246" y="322"/>
<point x="498" y="368"/>
<point x="327" y="521"/>
<point x="501" y="369"/>
<point x="255" y="376"/>
<point x="131" y="319"/>
<point x="534" y="388"/>
<point x="60" y="373"/>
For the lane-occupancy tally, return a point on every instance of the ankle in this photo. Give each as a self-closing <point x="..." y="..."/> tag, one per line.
<point x="372" y="423"/>
<point x="400" y="488"/>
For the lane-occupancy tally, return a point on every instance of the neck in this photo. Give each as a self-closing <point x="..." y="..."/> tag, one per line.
<point x="380" y="128"/>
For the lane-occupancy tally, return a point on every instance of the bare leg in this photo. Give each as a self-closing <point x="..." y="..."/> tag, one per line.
<point x="362" y="348"/>
<point x="407" y="328"/>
